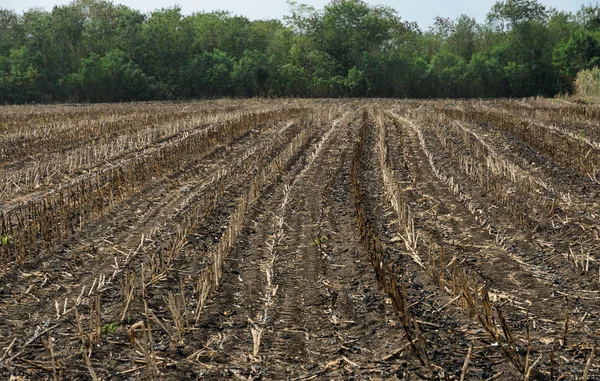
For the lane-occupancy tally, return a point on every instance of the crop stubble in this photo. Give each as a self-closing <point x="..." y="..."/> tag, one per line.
<point x="300" y="240"/>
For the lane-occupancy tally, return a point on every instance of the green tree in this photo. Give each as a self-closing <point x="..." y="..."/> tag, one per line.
<point x="447" y="75"/>
<point x="350" y="28"/>
<point x="108" y="26"/>
<point x="167" y="38"/>
<point x="67" y="25"/>
<point x="292" y="80"/>
<point x="113" y="77"/>
<point x="581" y="51"/>
<point x="356" y="83"/>
<point x="251" y="74"/>
<point x="510" y="13"/>
<point x="11" y="31"/>
<point x="96" y="50"/>
<point x="20" y="78"/>
<point x="464" y="39"/>
<point x="208" y="74"/>
<point x="589" y="17"/>
<point x="528" y="59"/>
<point x="220" y="30"/>
<point x="485" y="76"/>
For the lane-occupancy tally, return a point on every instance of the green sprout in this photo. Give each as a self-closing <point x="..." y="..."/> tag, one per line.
<point x="320" y="241"/>
<point x="110" y="328"/>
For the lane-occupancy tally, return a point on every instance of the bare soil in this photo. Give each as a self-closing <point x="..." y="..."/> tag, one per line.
<point x="301" y="240"/>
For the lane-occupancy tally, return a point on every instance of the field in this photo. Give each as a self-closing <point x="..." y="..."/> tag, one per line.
<point x="301" y="240"/>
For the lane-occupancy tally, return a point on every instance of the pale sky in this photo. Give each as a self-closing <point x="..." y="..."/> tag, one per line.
<point x="422" y="11"/>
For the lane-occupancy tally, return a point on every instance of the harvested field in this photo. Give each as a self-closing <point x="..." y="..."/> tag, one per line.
<point x="300" y="240"/>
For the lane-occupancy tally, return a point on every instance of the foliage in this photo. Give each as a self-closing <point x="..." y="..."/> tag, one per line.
<point x="113" y="77"/>
<point x="110" y="328"/>
<point x="580" y="52"/>
<point x="250" y="74"/>
<point x="208" y="74"/>
<point x="511" y="13"/>
<point x="97" y="51"/>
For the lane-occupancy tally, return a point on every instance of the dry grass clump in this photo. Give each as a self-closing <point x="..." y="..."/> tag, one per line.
<point x="587" y="83"/>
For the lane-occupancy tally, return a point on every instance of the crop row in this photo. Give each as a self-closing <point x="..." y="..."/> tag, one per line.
<point x="501" y="179"/>
<point x="529" y="200"/>
<point x="208" y="275"/>
<point x="46" y="168"/>
<point x="72" y="129"/>
<point x="25" y="230"/>
<point x="563" y="149"/>
<point x="576" y="127"/>
<point x="41" y="137"/>
<point x="211" y="276"/>
<point x="466" y="288"/>
<point x="262" y="164"/>
<point x="140" y="277"/>
<point x="568" y="114"/>
<point x="386" y="271"/>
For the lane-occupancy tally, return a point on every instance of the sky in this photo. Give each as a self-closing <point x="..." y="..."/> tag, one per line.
<point x="423" y="11"/>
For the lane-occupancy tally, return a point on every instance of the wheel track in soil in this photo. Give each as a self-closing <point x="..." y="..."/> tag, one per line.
<point x="42" y="304"/>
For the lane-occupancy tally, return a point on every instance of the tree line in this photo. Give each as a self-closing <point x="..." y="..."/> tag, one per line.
<point x="97" y="51"/>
